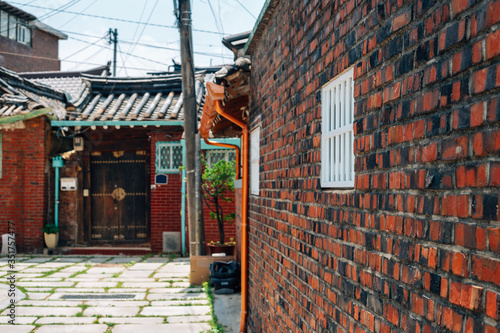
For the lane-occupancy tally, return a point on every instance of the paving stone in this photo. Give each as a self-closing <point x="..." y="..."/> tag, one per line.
<point x="145" y="285"/>
<point x="132" y="320"/>
<point x="158" y="259"/>
<point x="53" y="265"/>
<point x="67" y="259"/>
<point x="94" y="328"/>
<point x="124" y="260"/>
<point x="89" y="277"/>
<point x="96" y="284"/>
<point x="188" y="319"/>
<point x="175" y="290"/>
<point x="128" y="291"/>
<point x="97" y="260"/>
<point x="160" y="297"/>
<point x="38" y="289"/>
<point x="73" y="269"/>
<point x="145" y="266"/>
<point x="179" y="303"/>
<point x="162" y="328"/>
<point x="27" y="275"/>
<point x="49" y="303"/>
<point x="46" y="284"/>
<point x="172" y="276"/>
<point x="124" y="302"/>
<point x="65" y="320"/>
<point x="175" y="310"/>
<point x="38" y="260"/>
<point x="45" y="311"/>
<point x="36" y="270"/>
<point x="181" y="285"/>
<point x="105" y="270"/>
<point x="136" y="274"/>
<point x="18" y="321"/>
<point x="129" y="279"/>
<point x="79" y="290"/>
<point x="58" y="295"/>
<point x="117" y="311"/>
<point x="44" y="279"/>
<point x="16" y="328"/>
<point x="61" y="275"/>
<point x="38" y="295"/>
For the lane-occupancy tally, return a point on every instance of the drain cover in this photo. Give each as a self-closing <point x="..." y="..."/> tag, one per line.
<point x="93" y="296"/>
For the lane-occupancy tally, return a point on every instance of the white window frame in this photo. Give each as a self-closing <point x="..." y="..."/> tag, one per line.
<point x="254" y="160"/>
<point x="337" y="136"/>
<point x="23" y="34"/>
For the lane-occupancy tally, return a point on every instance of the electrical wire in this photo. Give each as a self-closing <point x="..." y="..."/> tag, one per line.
<point x="123" y="61"/>
<point x="138" y="25"/>
<point x="70" y="20"/>
<point x="80" y="40"/>
<point x="245" y="8"/>
<point x="144" y="28"/>
<point x="58" y="10"/>
<point x="114" y="19"/>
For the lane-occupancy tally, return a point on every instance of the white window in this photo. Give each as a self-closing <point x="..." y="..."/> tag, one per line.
<point x="254" y="160"/>
<point x="4" y="24"/>
<point x="215" y="155"/>
<point x="23" y="35"/>
<point x="12" y="26"/>
<point x="337" y="149"/>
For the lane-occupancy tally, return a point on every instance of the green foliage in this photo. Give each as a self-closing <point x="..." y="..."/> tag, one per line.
<point x="217" y="182"/>
<point x="50" y="229"/>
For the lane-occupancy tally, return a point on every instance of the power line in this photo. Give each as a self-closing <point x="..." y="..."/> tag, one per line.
<point x="83" y="47"/>
<point x="245" y="8"/>
<point x="70" y="20"/>
<point x="58" y="10"/>
<point x="114" y="19"/>
<point x="144" y="28"/>
<point x="138" y="25"/>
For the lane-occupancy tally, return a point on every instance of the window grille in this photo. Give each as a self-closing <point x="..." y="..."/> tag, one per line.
<point x="337" y="138"/>
<point x="168" y="157"/>
<point x="215" y="155"/>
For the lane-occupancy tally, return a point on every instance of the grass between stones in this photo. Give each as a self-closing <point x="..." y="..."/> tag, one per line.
<point x="215" y="326"/>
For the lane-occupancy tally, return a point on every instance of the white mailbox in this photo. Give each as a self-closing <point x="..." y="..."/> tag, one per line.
<point x="68" y="184"/>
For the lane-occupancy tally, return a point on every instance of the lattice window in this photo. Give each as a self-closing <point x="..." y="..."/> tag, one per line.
<point x="337" y="138"/>
<point x="215" y="155"/>
<point x="168" y="157"/>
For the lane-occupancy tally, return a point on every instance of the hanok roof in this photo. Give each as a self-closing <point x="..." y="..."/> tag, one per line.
<point x="66" y="82"/>
<point x="235" y="83"/>
<point x="20" y="97"/>
<point x="128" y="99"/>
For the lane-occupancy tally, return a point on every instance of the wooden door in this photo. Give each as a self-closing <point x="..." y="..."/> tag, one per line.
<point x="118" y="196"/>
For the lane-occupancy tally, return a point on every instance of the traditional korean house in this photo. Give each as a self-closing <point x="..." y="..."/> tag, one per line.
<point x="120" y="188"/>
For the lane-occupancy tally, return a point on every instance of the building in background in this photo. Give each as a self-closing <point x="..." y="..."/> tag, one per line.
<point x="26" y="44"/>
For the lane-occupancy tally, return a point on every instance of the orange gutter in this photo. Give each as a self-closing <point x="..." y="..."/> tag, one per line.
<point x="244" y="213"/>
<point x="227" y="145"/>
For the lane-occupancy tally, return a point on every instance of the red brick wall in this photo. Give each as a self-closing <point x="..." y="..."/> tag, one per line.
<point x="415" y="246"/>
<point x="165" y="200"/>
<point x="23" y="186"/>
<point x="43" y="55"/>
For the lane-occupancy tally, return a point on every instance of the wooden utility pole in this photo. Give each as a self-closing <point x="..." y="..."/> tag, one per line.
<point x="195" y="215"/>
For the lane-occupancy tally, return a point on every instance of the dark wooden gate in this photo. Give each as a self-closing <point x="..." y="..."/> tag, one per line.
<point x="118" y="196"/>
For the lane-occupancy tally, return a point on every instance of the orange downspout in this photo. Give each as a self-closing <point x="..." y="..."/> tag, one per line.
<point x="244" y="213"/>
<point x="227" y="145"/>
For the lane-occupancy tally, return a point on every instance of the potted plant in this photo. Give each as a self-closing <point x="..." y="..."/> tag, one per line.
<point x="217" y="182"/>
<point x="51" y="235"/>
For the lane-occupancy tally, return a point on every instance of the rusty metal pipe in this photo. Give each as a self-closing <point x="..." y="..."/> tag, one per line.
<point x="244" y="213"/>
<point x="227" y="145"/>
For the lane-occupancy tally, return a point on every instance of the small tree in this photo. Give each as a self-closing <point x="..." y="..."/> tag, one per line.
<point x="217" y="181"/>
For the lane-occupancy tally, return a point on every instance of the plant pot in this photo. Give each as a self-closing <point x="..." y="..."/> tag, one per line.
<point x="227" y="249"/>
<point x="51" y="240"/>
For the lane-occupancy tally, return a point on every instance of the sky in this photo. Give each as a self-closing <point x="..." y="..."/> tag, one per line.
<point x="148" y="38"/>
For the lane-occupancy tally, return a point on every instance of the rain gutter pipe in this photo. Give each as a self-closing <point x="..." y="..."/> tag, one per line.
<point x="244" y="213"/>
<point x="57" y="163"/>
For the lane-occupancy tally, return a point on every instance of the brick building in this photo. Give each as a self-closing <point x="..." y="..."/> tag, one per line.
<point x="26" y="44"/>
<point x="374" y="167"/>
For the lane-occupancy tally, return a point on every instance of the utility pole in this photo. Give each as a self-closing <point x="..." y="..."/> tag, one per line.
<point x="113" y="38"/>
<point x="193" y="171"/>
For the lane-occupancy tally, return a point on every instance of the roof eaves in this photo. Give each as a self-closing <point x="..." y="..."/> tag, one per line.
<point x="48" y="29"/>
<point x="264" y="16"/>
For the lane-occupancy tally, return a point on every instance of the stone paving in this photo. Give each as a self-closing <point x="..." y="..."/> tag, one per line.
<point x="102" y="294"/>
